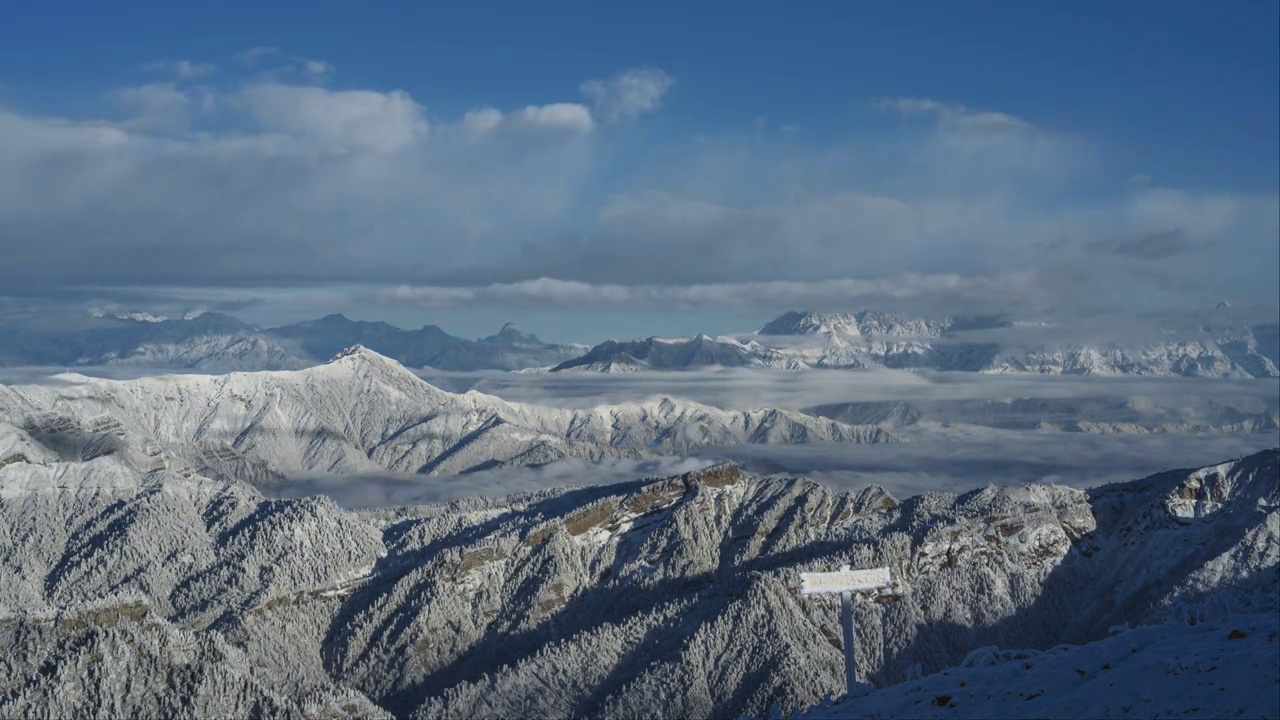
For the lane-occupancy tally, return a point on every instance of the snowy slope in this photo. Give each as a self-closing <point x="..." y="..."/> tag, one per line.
<point x="1222" y="669"/>
<point x="212" y="353"/>
<point x="364" y="412"/>
<point x="669" y="597"/>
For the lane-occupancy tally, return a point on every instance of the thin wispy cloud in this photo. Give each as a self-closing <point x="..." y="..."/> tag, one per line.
<point x="628" y="93"/>
<point x="1150" y="246"/>
<point x="255" y="54"/>
<point x="896" y="290"/>
<point x="739" y="388"/>
<point x="183" y="69"/>
<point x="276" y="64"/>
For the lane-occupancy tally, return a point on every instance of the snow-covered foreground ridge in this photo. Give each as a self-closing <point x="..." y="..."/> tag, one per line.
<point x="169" y="594"/>
<point x="1219" y="669"/>
<point x="363" y="412"/>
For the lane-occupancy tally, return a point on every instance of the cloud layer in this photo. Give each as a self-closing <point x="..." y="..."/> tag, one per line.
<point x="981" y="458"/>
<point x="266" y="173"/>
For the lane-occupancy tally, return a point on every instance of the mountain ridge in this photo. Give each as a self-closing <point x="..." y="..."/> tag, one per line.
<point x="594" y="601"/>
<point x="216" y="342"/>
<point x="364" y="412"/>
<point x="871" y="339"/>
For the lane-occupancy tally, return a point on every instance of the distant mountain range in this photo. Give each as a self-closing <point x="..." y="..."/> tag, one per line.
<point x="798" y="340"/>
<point x="215" y="342"/>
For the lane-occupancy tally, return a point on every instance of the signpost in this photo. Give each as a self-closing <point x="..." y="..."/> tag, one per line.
<point x="846" y="582"/>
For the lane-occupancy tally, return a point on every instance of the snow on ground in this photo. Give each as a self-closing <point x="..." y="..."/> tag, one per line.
<point x="1225" y="669"/>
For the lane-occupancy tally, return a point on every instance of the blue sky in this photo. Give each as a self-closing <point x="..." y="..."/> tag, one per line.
<point x="565" y="163"/>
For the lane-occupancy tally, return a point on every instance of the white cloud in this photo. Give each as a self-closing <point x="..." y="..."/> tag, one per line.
<point x="629" y="93"/>
<point x="347" y="118"/>
<point x="299" y="183"/>
<point x="570" y="117"/>
<point x="558" y="116"/>
<point x="317" y="67"/>
<point x="481" y="120"/>
<point x="982" y="147"/>
<point x="663" y="239"/>
<point x="157" y="105"/>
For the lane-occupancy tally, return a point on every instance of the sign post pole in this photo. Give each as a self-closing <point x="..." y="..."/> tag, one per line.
<point x="850" y="657"/>
<point x="846" y="582"/>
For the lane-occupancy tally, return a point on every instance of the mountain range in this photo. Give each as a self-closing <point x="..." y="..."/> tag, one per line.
<point x="215" y="342"/>
<point x="168" y="593"/>
<point x="364" y="412"/>
<point x="798" y="340"/>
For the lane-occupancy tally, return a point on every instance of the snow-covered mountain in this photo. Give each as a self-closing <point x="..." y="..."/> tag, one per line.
<point x="1232" y="356"/>
<point x="210" y="353"/>
<point x="167" y="593"/>
<point x="665" y="354"/>
<point x="106" y="339"/>
<point x="869" y="323"/>
<point x="881" y="340"/>
<point x="364" y="412"/>
<point x="428" y="346"/>
<point x="793" y="341"/>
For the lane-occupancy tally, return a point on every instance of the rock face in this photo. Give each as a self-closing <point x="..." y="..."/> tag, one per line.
<point x="363" y="412"/>
<point x="664" y="597"/>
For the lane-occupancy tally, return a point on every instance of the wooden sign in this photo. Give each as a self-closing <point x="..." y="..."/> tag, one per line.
<point x="844" y="580"/>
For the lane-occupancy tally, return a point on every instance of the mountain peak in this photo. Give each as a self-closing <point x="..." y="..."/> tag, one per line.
<point x="811" y="323"/>
<point x="862" y="323"/>
<point x="358" y="352"/>
<point x="510" y="335"/>
<point x="360" y="360"/>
